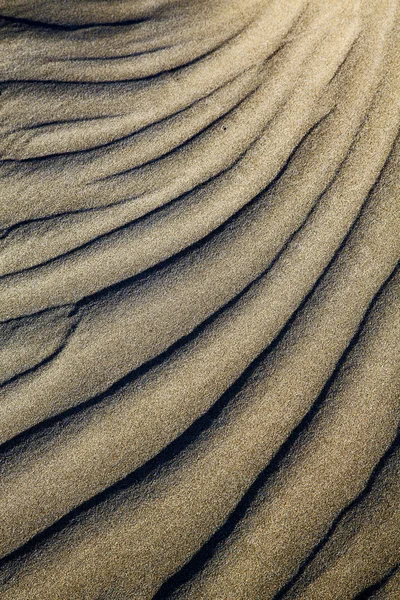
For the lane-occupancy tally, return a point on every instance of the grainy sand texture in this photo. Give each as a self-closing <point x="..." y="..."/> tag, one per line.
<point x="199" y="299"/>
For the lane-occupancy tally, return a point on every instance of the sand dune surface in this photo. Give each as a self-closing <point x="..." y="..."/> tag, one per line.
<point x="199" y="300"/>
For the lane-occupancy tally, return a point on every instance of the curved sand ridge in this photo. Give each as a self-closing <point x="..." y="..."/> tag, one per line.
<point x="199" y="299"/>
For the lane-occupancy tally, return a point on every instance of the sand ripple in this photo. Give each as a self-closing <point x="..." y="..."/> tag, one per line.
<point x="199" y="299"/>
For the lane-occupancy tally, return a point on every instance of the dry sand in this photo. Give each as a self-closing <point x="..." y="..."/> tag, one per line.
<point x="199" y="299"/>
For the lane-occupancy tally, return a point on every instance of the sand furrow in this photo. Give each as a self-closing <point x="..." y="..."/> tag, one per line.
<point x="165" y="191"/>
<point x="165" y="42"/>
<point x="151" y="186"/>
<point x="390" y="588"/>
<point x="365" y="540"/>
<point x="54" y="375"/>
<point x="209" y="465"/>
<point x="248" y="49"/>
<point x="264" y="298"/>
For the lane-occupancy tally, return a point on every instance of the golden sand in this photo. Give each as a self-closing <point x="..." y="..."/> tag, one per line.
<point x="199" y="299"/>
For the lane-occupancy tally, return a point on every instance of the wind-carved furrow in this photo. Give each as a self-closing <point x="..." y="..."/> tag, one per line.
<point x="388" y="589"/>
<point x="80" y="14"/>
<point x="199" y="300"/>
<point x="156" y="140"/>
<point x="127" y="209"/>
<point x="83" y="226"/>
<point x="346" y="514"/>
<point x="364" y="188"/>
<point x="48" y="354"/>
<point x="50" y="237"/>
<point x="168" y="499"/>
<point x="312" y="482"/>
<point x="28" y="342"/>
<point x="167" y="41"/>
<point x="47" y="236"/>
<point x="173" y="229"/>
<point x="258" y="148"/>
<point x="47" y="26"/>
<point x="379" y="587"/>
<point x="100" y="258"/>
<point x="156" y="99"/>
<point x="365" y="540"/>
<point x="96" y="431"/>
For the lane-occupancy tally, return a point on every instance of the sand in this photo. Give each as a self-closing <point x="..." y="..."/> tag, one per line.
<point x="199" y="299"/>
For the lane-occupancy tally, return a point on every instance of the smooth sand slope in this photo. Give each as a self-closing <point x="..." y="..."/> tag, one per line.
<point x="199" y="300"/>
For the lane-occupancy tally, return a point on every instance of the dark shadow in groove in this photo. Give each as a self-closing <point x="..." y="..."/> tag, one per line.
<point x="165" y="456"/>
<point x="172" y="450"/>
<point x="59" y="27"/>
<point x="195" y="564"/>
<point x="144" y="275"/>
<point x="4" y="232"/>
<point x="117" y="57"/>
<point x="165" y="205"/>
<point x="8" y="230"/>
<point x="363" y="494"/>
<point x="132" y="375"/>
<point x="375" y="587"/>
<point x="200" y="56"/>
<point x="193" y="431"/>
<point x="39" y="312"/>
<point x="37" y="126"/>
<point x="189" y="64"/>
<point x="345" y="59"/>
<point x="141" y="278"/>
<point x="66" y="155"/>
<point x="49" y="358"/>
<point x="57" y="216"/>
<point x="150" y="79"/>
<point x="196" y="137"/>
<point x="284" y="40"/>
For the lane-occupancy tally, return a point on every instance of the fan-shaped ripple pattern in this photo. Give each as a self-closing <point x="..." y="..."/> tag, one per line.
<point x="199" y="299"/>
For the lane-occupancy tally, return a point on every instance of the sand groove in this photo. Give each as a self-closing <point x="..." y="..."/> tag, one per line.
<point x="199" y="299"/>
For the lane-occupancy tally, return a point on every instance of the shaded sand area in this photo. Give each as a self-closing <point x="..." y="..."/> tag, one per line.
<point x="199" y="300"/>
